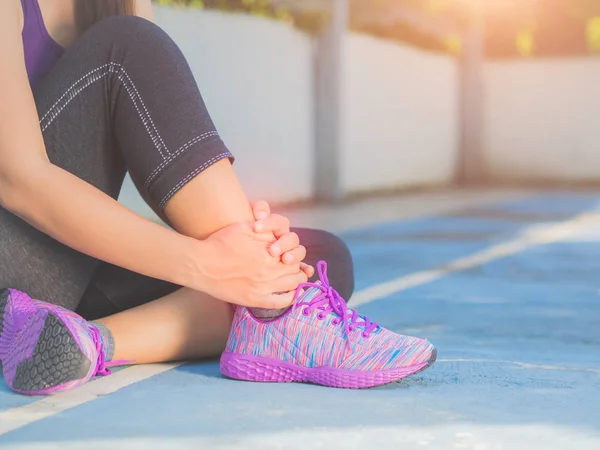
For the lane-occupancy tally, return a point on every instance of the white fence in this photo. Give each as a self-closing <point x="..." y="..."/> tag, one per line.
<point x="543" y="120"/>
<point x="401" y="116"/>
<point x="400" y="124"/>
<point x="258" y="80"/>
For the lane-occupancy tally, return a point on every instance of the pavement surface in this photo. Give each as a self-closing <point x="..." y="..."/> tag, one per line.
<point x="506" y="284"/>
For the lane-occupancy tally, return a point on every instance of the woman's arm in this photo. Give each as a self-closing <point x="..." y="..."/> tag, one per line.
<point x="62" y="205"/>
<point x="85" y="219"/>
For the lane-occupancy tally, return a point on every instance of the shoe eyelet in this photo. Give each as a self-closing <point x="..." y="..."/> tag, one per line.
<point x="350" y="328"/>
<point x="306" y="312"/>
<point x="336" y="321"/>
<point x="320" y="316"/>
<point x="365" y="335"/>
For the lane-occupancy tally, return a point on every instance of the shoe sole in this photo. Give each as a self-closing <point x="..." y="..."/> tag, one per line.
<point x="265" y="370"/>
<point x="42" y="356"/>
<point x="3" y="302"/>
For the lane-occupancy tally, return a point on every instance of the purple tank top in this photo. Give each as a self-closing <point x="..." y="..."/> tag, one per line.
<point x="41" y="51"/>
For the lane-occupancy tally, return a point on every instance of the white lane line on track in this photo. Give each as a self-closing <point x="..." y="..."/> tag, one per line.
<point x="19" y="417"/>
<point x="531" y="237"/>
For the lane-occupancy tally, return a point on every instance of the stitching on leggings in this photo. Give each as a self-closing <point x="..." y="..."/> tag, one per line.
<point x="71" y="88"/>
<point x="74" y="94"/>
<point x="182" y="149"/>
<point x="190" y="176"/>
<point x="146" y="110"/>
<point x="111" y="69"/>
<point x="91" y="79"/>
<point x="155" y="138"/>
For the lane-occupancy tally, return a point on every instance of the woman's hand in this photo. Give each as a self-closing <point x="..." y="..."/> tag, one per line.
<point x="287" y="245"/>
<point x="238" y="268"/>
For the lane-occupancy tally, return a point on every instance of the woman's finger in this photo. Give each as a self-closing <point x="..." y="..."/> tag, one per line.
<point x="278" y="301"/>
<point x="288" y="283"/>
<point x="260" y="209"/>
<point x="295" y="256"/>
<point x="308" y="270"/>
<point x="274" y="223"/>
<point x="284" y="244"/>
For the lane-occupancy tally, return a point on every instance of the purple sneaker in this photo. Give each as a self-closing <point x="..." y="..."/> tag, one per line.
<point x="321" y="341"/>
<point x="45" y="348"/>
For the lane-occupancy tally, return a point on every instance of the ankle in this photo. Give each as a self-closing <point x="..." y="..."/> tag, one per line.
<point x="268" y="314"/>
<point x="108" y="341"/>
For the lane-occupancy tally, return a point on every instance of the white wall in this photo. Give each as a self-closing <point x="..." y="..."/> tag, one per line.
<point x="401" y="109"/>
<point x="543" y="120"/>
<point x="257" y="77"/>
<point x="401" y="116"/>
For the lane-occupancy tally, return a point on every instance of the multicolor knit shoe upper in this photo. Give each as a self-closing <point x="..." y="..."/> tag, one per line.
<point x="45" y="348"/>
<point x="321" y="340"/>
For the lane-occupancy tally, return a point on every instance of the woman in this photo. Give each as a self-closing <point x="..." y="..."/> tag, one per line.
<point x="87" y="96"/>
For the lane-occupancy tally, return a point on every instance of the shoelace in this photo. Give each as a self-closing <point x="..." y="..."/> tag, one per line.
<point x="102" y="367"/>
<point x="329" y="300"/>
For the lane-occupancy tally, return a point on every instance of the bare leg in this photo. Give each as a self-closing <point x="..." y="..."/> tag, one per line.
<point x="191" y="325"/>
<point x="210" y="202"/>
<point x="183" y="325"/>
<point x="186" y="324"/>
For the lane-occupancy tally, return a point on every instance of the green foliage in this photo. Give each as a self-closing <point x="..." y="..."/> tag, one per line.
<point x="308" y="21"/>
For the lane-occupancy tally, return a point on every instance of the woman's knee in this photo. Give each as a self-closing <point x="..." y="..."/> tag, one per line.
<point x="174" y="137"/>
<point x="126" y="34"/>
<point x="117" y="27"/>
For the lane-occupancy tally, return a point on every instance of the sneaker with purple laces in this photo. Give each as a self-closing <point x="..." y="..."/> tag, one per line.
<point x="45" y="348"/>
<point x="322" y="341"/>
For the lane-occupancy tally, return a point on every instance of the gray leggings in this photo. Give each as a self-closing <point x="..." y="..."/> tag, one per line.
<point x="122" y="99"/>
